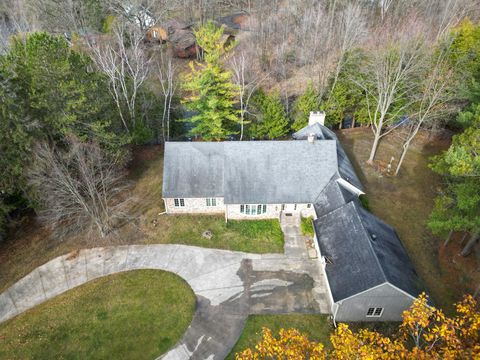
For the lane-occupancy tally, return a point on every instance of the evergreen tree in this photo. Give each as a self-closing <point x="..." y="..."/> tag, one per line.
<point x="272" y="121"/>
<point x="305" y="103"/>
<point x="211" y="94"/>
<point x="458" y="207"/>
<point x="47" y="91"/>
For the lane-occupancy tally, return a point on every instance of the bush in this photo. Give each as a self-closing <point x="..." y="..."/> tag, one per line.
<point x="306" y="226"/>
<point x="364" y="201"/>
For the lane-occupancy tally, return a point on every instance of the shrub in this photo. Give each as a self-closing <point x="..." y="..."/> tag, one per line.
<point x="306" y="226"/>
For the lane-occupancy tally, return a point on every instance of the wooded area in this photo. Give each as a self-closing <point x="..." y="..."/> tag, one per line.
<point x="81" y="81"/>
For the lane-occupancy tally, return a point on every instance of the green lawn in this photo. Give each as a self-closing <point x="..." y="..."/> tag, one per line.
<point x="317" y="327"/>
<point x="132" y="315"/>
<point x="257" y="236"/>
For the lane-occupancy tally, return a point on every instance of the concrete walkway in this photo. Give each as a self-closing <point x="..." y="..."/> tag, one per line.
<point x="228" y="285"/>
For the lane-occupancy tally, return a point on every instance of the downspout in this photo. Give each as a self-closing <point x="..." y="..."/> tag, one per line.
<point x="335" y="313"/>
<point x="165" y="206"/>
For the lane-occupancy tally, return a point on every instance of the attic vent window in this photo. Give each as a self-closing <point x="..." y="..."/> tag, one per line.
<point x="375" y="312"/>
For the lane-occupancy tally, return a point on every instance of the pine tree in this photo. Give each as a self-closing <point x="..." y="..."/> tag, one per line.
<point x="457" y="208"/>
<point x="212" y="95"/>
<point x="272" y="119"/>
<point x="305" y="103"/>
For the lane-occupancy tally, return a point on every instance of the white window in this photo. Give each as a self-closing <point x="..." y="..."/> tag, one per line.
<point x="211" y="201"/>
<point x="253" y="209"/>
<point x="179" y="202"/>
<point x="374" y="312"/>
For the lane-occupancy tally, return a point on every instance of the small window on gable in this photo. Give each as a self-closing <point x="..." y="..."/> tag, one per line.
<point x="309" y="206"/>
<point x="374" y="312"/>
<point x="179" y="202"/>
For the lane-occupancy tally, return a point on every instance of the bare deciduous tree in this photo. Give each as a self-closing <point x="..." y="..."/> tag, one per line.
<point x="126" y="64"/>
<point x="247" y="83"/>
<point x="386" y="81"/>
<point x="431" y="99"/>
<point x="166" y="74"/>
<point x="78" y="188"/>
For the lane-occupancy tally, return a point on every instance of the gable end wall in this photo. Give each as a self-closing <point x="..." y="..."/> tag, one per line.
<point x="392" y="300"/>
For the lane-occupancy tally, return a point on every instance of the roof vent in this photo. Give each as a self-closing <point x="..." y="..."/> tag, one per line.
<point x="374" y="237"/>
<point x="311" y="138"/>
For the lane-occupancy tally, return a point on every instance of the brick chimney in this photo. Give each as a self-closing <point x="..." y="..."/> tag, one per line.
<point x="316" y="117"/>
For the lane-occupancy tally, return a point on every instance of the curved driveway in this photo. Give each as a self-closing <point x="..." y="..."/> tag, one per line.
<point x="228" y="285"/>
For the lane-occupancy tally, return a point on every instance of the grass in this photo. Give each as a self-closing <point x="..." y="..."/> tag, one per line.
<point x="132" y="315"/>
<point x="306" y="226"/>
<point x="316" y="327"/>
<point x="32" y="245"/>
<point x="257" y="236"/>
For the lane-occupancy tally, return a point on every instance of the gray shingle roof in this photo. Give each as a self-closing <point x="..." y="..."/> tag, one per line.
<point x="193" y="169"/>
<point x="332" y="197"/>
<point x="276" y="172"/>
<point x="345" y="167"/>
<point x="303" y="133"/>
<point x="249" y="172"/>
<point x="358" y="261"/>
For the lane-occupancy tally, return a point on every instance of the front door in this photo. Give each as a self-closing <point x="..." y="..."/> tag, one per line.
<point x="289" y="209"/>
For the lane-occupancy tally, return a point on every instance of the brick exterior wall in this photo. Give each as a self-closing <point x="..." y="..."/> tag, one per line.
<point x="199" y="206"/>
<point x="194" y="206"/>
<point x="273" y="212"/>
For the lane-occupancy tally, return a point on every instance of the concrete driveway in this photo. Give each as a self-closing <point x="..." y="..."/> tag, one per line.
<point x="228" y="285"/>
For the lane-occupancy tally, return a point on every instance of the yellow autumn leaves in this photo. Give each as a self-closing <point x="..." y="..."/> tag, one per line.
<point x="425" y="333"/>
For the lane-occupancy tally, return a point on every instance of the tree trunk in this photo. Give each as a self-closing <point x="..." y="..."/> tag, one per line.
<point x="449" y="237"/>
<point x="353" y="122"/>
<point x="374" y="149"/>
<point x="471" y="243"/>
<point x="402" y="157"/>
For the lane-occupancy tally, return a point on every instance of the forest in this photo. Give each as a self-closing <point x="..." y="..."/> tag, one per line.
<point x="85" y="81"/>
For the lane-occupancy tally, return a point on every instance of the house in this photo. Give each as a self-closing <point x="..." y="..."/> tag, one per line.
<point x="367" y="271"/>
